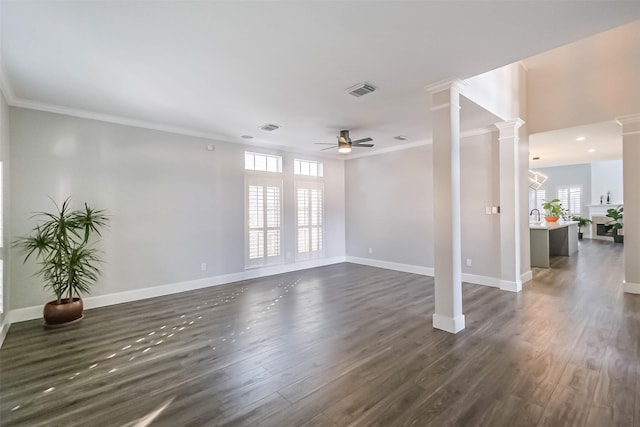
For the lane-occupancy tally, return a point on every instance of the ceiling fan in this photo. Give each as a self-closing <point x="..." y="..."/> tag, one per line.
<point x="345" y="143"/>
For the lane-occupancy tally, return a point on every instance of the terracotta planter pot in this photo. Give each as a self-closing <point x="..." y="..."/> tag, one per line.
<point x="56" y="315"/>
<point x="551" y="218"/>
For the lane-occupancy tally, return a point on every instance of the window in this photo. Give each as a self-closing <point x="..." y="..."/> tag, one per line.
<point x="264" y="218"/>
<point x="262" y="162"/>
<point x="541" y="196"/>
<point x="571" y="199"/>
<point x="307" y="167"/>
<point x="309" y="219"/>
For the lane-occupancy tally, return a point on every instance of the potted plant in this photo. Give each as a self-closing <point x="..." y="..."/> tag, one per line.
<point x="63" y="243"/>
<point x="553" y="210"/>
<point x="582" y="222"/>
<point x="615" y="225"/>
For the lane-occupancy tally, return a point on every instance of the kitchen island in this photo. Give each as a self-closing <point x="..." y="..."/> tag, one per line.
<point x="552" y="238"/>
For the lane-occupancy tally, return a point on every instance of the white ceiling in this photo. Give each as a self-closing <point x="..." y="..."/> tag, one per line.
<point x="586" y="83"/>
<point x="222" y="69"/>
<point x="560" y="147"/>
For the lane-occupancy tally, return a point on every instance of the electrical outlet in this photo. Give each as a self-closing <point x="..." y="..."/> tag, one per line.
<point x="487" y="210"/>
<point x="203" y="266"/>
<point x="495" y="209"/>
<point x="469" y="262"/>
<point x="370" y="250"/>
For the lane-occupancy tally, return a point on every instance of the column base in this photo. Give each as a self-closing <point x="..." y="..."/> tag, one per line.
<point x="507" y="285"/>
<point x="631" y="288"/>
<point x="448" y="324"/>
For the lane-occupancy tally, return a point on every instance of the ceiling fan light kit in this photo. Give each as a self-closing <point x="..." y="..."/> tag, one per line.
<point x="345" y="143"/>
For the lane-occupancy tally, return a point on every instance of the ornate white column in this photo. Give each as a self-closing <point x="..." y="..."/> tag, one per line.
<point x="510" y="205"/>
<point x="631" y="178"/>
<point x="445" y="116"/>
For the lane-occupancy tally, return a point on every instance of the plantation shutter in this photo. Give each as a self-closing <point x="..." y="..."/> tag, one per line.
<point x="541" y="196"/>
<point x="264" y="221"/>
<point x="575" y="200"/>
<point x="309" y="217"/>
<point x="571" y="199"/>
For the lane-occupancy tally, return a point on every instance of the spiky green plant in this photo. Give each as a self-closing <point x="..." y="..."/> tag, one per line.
<point x="63" y="243"/>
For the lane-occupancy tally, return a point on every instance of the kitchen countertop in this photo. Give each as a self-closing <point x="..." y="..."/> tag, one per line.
<point x="544" y="225"/>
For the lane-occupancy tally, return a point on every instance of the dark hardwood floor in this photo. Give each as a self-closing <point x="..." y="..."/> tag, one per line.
<point x="340" y="345"/>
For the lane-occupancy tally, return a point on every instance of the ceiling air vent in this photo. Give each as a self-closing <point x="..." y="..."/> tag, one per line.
<point x="360" y="89"/>
<point x="269" y="127"/>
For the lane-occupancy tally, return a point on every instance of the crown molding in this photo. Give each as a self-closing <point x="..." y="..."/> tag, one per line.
<point x="523" y="65"/>
<point x="407" y="146"/>
<point x="446" y="84"/>
<point x="86" y="114"/>
<point x="628" y="119"/>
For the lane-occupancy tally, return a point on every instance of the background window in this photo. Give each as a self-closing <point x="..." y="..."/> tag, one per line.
<point x="571" y="199"/>
<point x="307" y="167"/>
<point x="264" y="222"/>
<point x="262" y="162"/>
<point x="309" y="219"/>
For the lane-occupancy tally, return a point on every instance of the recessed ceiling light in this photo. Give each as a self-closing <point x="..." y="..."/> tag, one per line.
<point x="581" y="138"/>
<point x="211" y="147"/>
<point x="246" y="137"/>
<point x="400" y="138"/>
<point x="536" y="158"/>
<point x="591" y="150"/>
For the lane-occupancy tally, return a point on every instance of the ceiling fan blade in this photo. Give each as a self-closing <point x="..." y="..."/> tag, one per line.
<point x="325" y="143"/>
<point x="362" y="145"/>
<point x="362" y="140"/>
<point x="329" y="148"/>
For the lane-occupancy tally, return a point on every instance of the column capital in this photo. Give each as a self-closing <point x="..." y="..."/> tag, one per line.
<point x="509" y="128"/>
<point x="442" y="85"/>
<point x="630" y="124"/>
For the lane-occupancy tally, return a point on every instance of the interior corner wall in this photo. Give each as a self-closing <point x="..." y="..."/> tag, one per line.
<point x="479" y="189"/>
<point x="525" y="237"/>
<point x="501" y="91"/>
<point x="389" y="205"/>
<point x="606" y="176"/>
<point x="173" y="204"/>
<point x="5" y="158"/>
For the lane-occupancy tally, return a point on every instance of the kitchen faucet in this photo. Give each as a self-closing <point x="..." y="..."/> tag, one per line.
<point x="537" y="211"/>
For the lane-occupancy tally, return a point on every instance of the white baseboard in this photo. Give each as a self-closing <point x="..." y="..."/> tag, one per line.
<point x="407" y="268"/>
<point x="631" y="288"/>
<point x="35" y="312"/>
<point x="525" y="277"/>
<point x="449" y="324"/>
<point x="507" y="285"/>
<point x="4" y="328"/>
<point x="476" y="279"/>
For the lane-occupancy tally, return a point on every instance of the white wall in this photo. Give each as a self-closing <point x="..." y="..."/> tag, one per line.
<point x="174" y="204"/>
<point x="480" y="187"/>
<point x="589" y="81"/>
<point x="606" y="176"/>
<point x="4" y="157"/>
<point x="501" y="91"/>
<point x="390" y="206"/>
